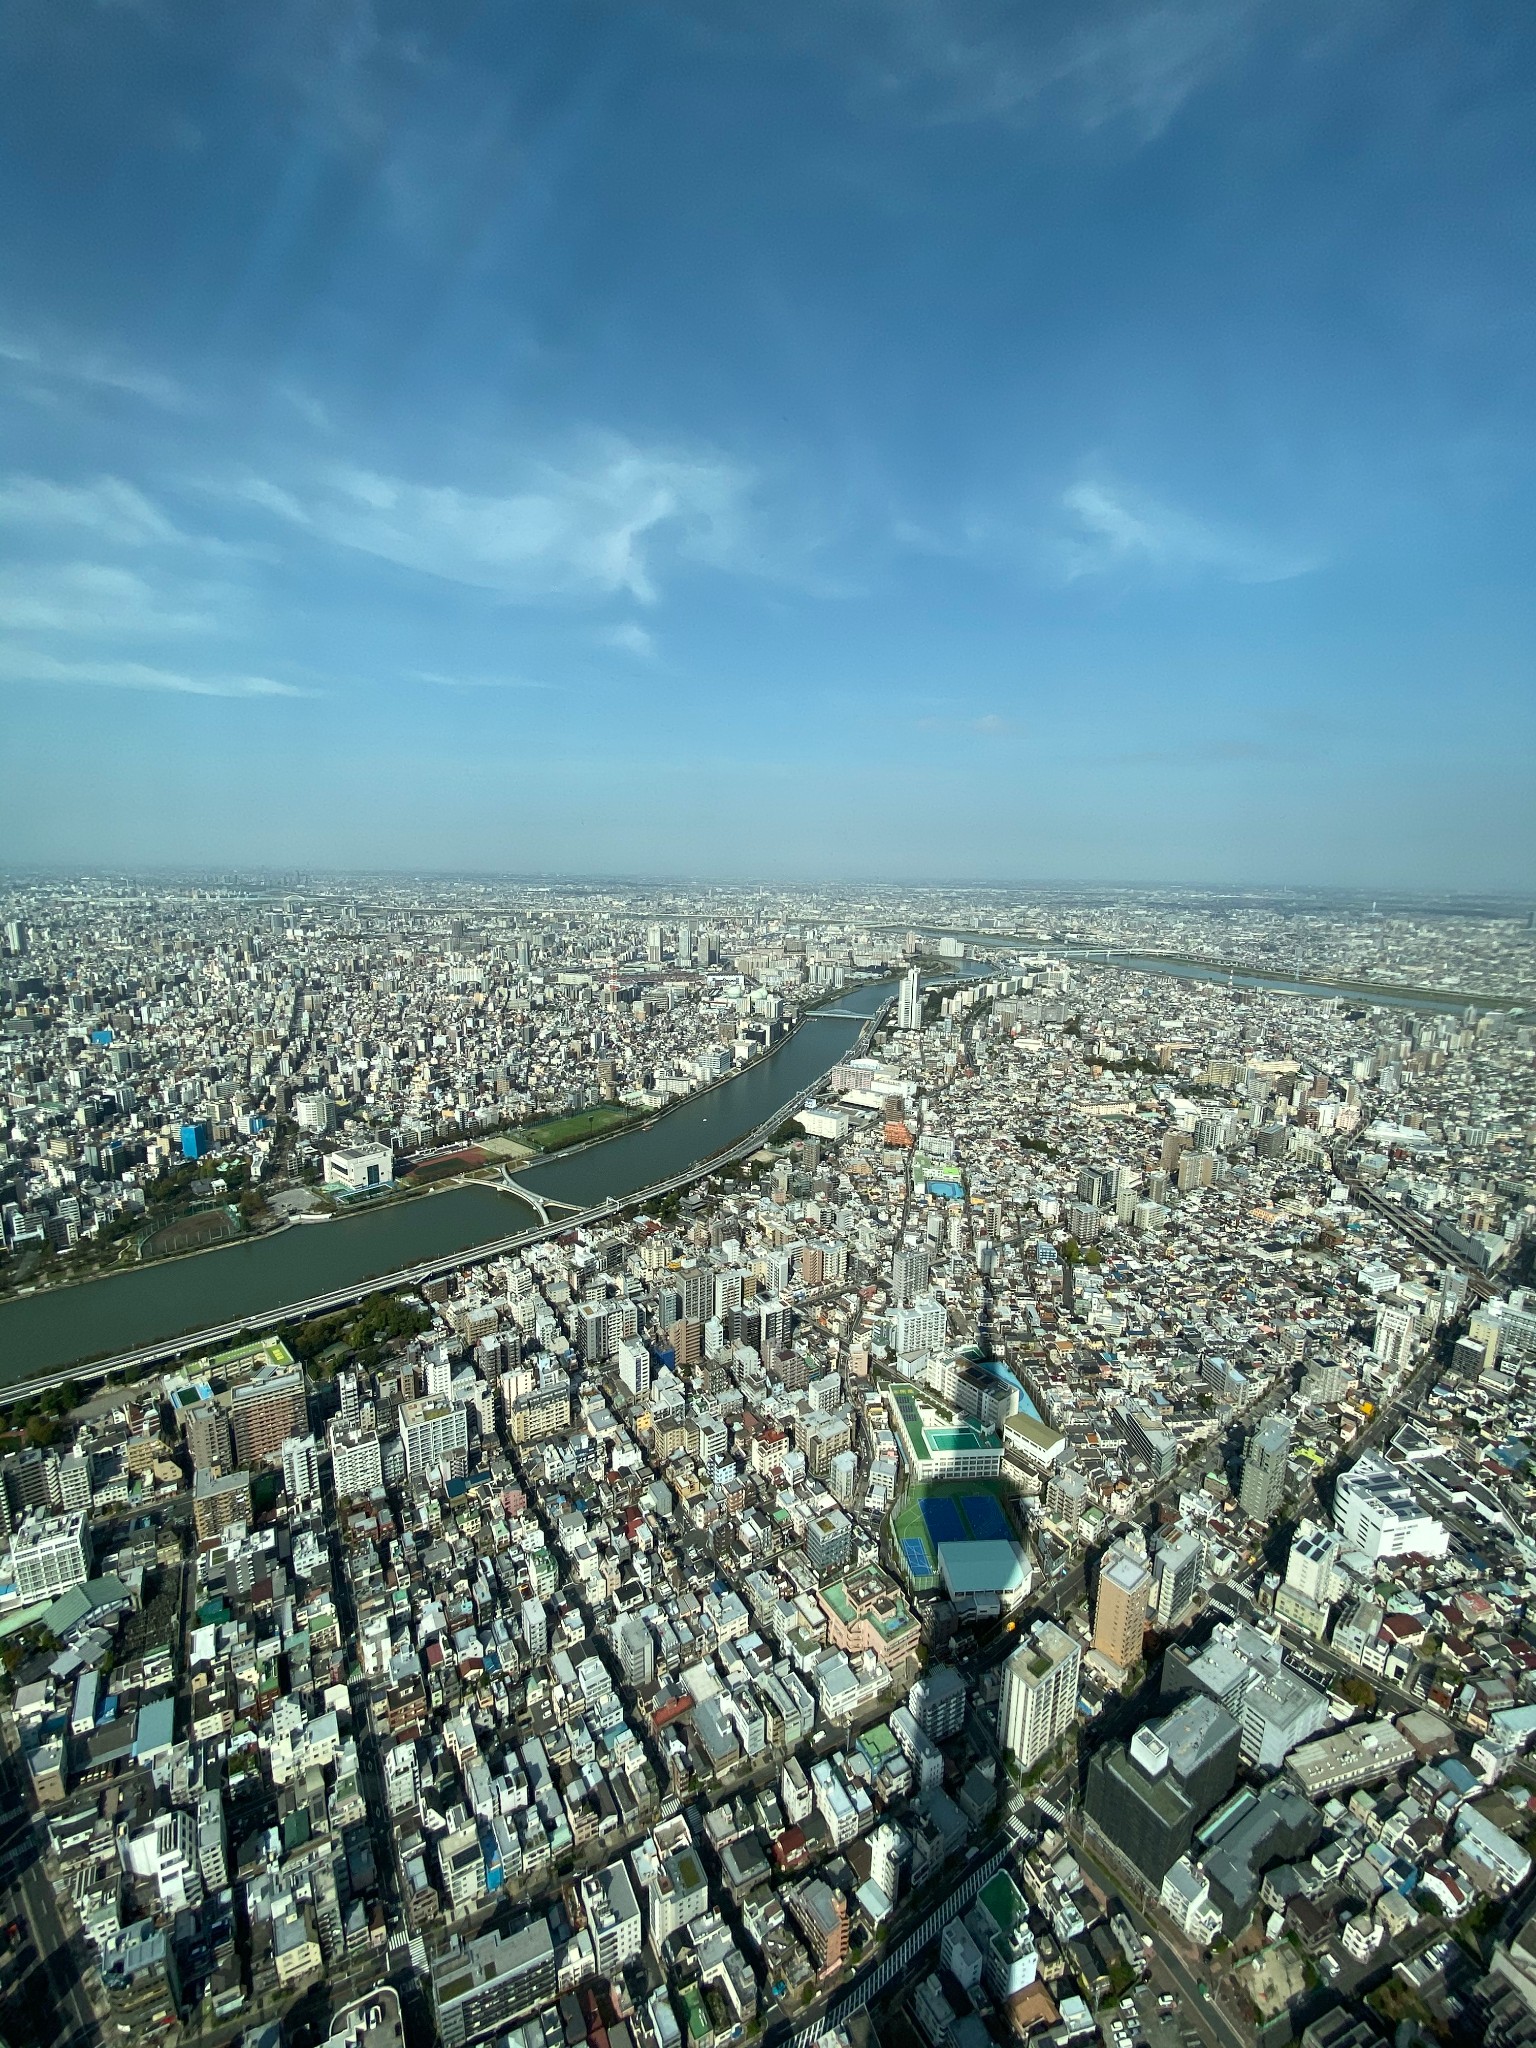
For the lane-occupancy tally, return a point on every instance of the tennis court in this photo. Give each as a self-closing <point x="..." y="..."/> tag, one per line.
<point x="943" y="1521"/>
<point x="988" y="1523"/>
<point x="915" y="1551"/>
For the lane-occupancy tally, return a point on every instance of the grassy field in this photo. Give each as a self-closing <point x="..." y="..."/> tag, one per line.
<point x="189" y="1234"/>
<point x="560" y="1131"/>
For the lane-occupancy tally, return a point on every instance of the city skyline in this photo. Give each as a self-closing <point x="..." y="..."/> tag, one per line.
<point x="910" y="443"/>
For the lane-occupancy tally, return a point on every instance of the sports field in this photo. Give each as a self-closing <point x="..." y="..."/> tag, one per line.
<point x="947" y="1511"/>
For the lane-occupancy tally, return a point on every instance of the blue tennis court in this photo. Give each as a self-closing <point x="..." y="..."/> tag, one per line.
<point x="915" y="1551"/>
<point x="943" y="1521"/>
<point x="987" y="1520"/>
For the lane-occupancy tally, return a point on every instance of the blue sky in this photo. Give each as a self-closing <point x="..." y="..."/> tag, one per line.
<point x="872" y="437"/>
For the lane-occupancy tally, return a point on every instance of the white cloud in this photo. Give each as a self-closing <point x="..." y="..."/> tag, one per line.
<point x="630" y="638"/>
<point x="110" y="509"/>
<point x="1114" y="529"/>
<point x="58" y="364"/>
<point x="1095" y="63"/>
<point x="591" y="529"/>
<point x="89" y="598"/>
<point x="23" y="666"/>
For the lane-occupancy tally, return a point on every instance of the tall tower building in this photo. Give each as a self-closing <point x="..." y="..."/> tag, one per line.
<point x="1263" y="1487"/>
<point x="1039" y="1696"/>
<point x="1120" y="1609"/>
<point x="909" y="1002"/>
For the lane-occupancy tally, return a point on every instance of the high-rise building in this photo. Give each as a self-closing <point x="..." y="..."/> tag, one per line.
<point x="49" y="1554"/>
<point x="890" y="1854"/>
<point x="1120" y="1606"/>
<point x="1039" y="1694"/>
<point x="301" y="1469"/>
<point x="635" y="1648"/>
<point x="535" y="1626"/>
<point x="1264" y="1469"/>
<point x="613" y="1918"/>
<point x="1175" y="1576"/>
<point x="1150" y="1794"/>
<point x="1397" y="1334"/>
<point x="265" y="1410"/>
<point x="357" y="1460"/>
<point x="909" y="1275"/>
<point x="436" y="1438"/>
<point x="909" y="1002"/>
<point x="937" y="1701"/>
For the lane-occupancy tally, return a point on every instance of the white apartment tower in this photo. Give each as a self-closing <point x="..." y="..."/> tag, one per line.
<point x="1039" y="1696"/>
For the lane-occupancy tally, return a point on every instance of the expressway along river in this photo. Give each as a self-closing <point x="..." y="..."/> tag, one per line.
<point x="63" y="1326"/>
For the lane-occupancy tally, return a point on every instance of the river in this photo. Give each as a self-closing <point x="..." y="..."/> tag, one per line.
<point x="63" y="1326"/>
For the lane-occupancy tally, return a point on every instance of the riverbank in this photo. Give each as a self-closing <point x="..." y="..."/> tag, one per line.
<point x="1195" y="966"/>
<point x="168" y="1307"/>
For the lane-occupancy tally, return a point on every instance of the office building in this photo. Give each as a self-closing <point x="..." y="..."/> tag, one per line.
<point x="49" y="1554"/>
<point x="1120" y="1606"/>
<point x="1149" y="1795"/>
<point x="1264" y="1469"/>
<point x="1157" y="1447"/>
<point x="1038" y="1702"/>
<point x="1279" y="1710"/>
<point x="1378" y="1514"/>
<point x="479" y="1987"/>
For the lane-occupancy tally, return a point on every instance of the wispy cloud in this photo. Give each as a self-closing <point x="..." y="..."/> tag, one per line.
<point x="110" y="509"/>
<point x="591" y="528"/>
<point x="1092" y="63"/>
<point x="91" y="598"/>
<point x="1112" y="529"/>
<point x="630" y="638"/>
<point x="20" y="666"/>
<point x="44" y="371"/>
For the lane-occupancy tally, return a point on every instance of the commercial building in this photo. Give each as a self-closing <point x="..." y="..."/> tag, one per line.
<point x="1379" y="1515"/>
<point x="1150" y="1794"/>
